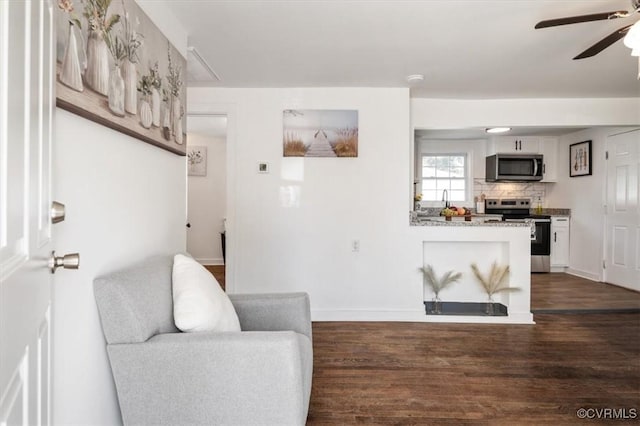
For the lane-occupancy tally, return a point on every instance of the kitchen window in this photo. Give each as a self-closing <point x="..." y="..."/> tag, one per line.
<point x="445" y="171"/>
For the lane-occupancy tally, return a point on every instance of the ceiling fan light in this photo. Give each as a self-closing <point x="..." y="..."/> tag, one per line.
<point x="632" y="39"/>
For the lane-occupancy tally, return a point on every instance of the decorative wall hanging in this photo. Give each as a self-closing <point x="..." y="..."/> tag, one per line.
<point x="580" y="159"/>
<point x="115" y="67"/>
<point x="320" y="133"/>
<point x="197" y="160"/>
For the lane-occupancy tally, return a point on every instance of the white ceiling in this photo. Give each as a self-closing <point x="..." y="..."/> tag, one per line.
<point x="470" y="49"/>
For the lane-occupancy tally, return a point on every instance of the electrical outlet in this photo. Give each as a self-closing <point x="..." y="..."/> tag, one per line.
<point x="355" y="246"/>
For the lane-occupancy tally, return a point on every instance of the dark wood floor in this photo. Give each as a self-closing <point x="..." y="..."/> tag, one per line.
<point x="218" y="272"/>
<point x="552" y="292"/>
<point x="368" y="373"/>
<point x="475" y="374"/>
<point x="564" y="292"/>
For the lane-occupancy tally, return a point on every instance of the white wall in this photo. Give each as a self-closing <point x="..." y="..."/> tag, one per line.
<point x="457" y="113"/>
<point x="585" y="196"/>
<point x="207" y="201"/>
<point x="293" y="228"/>
<point x="126" y="200"/>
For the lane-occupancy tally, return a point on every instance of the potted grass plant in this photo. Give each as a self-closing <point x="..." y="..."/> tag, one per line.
<point x="437" y="284"/>
<point x="493" y="283"/>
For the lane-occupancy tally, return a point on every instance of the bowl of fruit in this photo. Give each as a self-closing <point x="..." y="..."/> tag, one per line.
<point x="451" y="211"/>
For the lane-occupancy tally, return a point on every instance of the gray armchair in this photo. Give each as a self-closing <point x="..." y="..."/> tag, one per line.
<point x="260" y="376"/>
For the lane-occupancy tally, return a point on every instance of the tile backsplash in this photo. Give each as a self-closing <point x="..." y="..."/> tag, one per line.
<point x="531" y="190"/>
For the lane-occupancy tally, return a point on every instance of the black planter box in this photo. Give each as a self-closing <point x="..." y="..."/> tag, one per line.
<point x="467" y="308"/>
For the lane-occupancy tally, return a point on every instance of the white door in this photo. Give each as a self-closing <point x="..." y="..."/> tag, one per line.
<point x="26" y="108"/>
<point x="622" y="251"/>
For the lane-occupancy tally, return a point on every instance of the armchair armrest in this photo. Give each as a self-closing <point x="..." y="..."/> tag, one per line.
<point x="273" y="312"/>
<point x="213" y="378"/>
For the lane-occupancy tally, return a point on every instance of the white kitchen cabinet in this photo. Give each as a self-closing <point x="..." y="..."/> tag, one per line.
<point x="514" y="145"/>
<point x="549" y="151"/>
<point x="559" y="241"/>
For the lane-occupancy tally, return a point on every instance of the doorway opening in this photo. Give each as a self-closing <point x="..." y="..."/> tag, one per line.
<point x="207" y="191"/>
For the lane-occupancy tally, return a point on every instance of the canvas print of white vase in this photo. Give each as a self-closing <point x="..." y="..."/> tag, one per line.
<point x="97" y="73"/>
<point x="116" y="92"/>
<point x="116" y="67"/>
<point x="72" y="68"/>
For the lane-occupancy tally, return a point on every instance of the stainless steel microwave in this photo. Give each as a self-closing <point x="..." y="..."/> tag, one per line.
<point x="514" y="167"/>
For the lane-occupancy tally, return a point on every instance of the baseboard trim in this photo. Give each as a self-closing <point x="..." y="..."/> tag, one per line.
<point x="588" y="311"/>
<point x="416" y="316"/>
<point x="583" y="274"/>
<point x="210" y="261"/>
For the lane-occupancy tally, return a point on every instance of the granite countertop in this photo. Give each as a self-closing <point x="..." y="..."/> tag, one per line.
<point x="418" y="220"/>
<point x="435" y="211"/>
<point x="463" y="223"/>
<point x="555" y="212"/>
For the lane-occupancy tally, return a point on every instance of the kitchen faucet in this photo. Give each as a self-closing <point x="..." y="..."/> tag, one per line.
<point x="445" y="198"/>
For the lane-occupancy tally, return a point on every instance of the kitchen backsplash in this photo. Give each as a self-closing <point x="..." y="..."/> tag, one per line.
<point x="531" y="190"/>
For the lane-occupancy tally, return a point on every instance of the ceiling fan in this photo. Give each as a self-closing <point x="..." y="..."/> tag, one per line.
<point x="605" y="42"/>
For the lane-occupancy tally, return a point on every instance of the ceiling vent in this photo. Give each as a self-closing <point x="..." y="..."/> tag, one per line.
<point x="198" y="70"/>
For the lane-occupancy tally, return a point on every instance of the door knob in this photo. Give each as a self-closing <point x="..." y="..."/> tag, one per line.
<point x="57" y="212"/>
<point x="68" y="261"/>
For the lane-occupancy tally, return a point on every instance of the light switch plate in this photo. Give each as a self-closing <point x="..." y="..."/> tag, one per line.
<point x="263" y="167"/>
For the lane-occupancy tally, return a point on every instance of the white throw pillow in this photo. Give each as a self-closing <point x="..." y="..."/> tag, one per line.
<point x="199" y="304"/>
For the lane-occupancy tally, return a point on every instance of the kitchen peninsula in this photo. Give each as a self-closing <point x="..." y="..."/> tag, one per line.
<point x="455" y="245"/>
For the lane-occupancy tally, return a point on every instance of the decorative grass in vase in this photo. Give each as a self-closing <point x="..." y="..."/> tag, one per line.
<point x="494" y="283"/>
<point x="437" y="284"/>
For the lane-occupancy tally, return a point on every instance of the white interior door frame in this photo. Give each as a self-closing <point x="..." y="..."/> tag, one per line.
<point x="231" y="112"/>
<point x="206" y="194"/>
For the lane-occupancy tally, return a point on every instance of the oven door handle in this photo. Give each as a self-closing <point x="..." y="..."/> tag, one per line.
<point x="542" y="220"/>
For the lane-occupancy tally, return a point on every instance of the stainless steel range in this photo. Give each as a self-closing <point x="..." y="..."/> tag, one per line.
<point x="518" y="210"/>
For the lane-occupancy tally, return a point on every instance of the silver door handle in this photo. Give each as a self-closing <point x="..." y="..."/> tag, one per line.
<point x="57" y="212"/>
<point x="68" y="261"/>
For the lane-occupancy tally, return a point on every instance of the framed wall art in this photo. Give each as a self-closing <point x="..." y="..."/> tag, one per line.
<point x="116" y="68"/>
<point x="580" y="159"/>
<point x="320" y="133"/>
<point x="197" y="160"/>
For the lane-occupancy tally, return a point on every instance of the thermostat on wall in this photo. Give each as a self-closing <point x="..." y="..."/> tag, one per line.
<point x="263" y="167"/>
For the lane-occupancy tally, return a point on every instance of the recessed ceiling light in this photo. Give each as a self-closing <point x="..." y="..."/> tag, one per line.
<point x="497" y="129"/>
<point x="415" y="78"/>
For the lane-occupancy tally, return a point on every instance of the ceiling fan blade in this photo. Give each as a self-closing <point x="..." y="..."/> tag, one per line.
<point x="604" y="43"/>
<point x="583" y="18"/>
